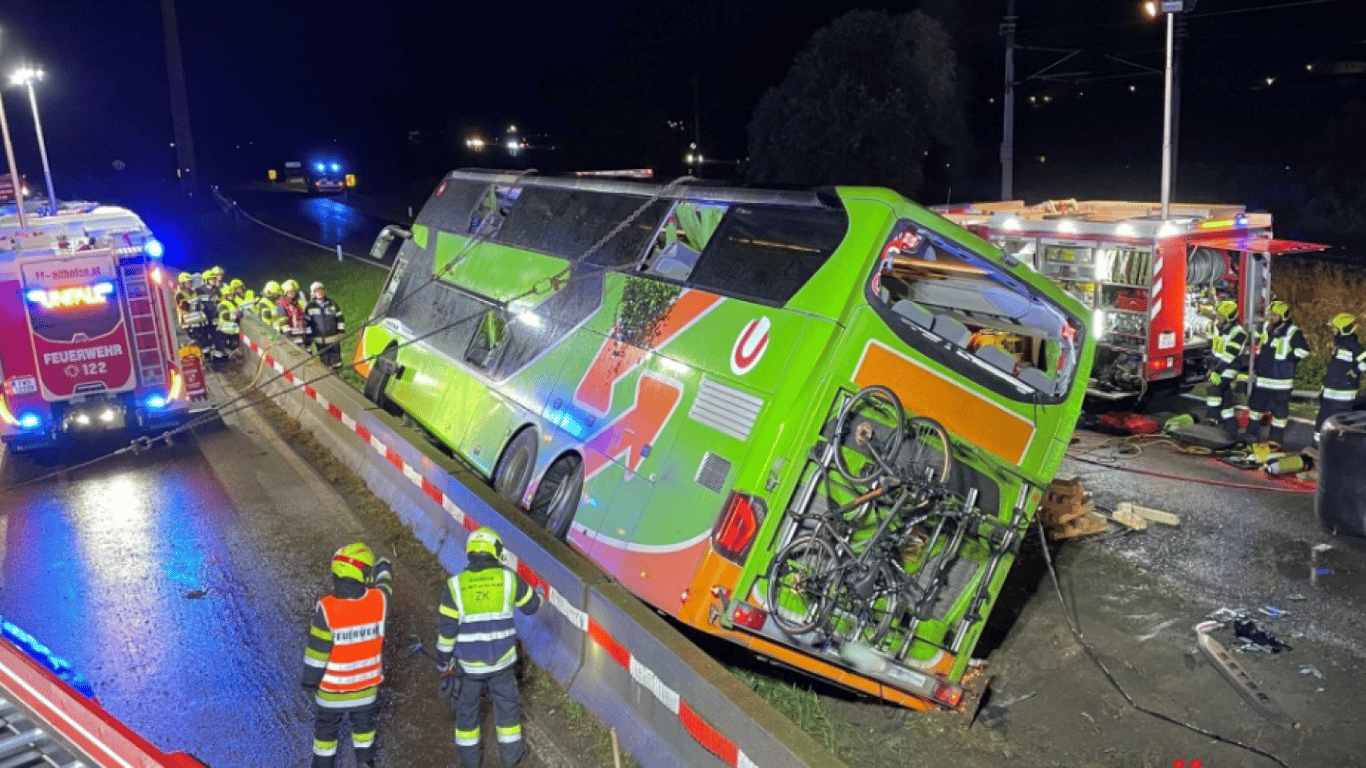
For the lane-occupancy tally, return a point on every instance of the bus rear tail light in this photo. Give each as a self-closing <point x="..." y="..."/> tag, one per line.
<point x="948" y="694"/>
<point x="737" y="526"/>
<point x="749" y="616"/>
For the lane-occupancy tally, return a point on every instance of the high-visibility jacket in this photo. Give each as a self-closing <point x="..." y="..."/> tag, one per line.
<point x="475" y="622"/>
<point x="228" y="315"/>
<point x="1227" y="347"/>
<point x="343" y="657"/>
<point x="1279" y="352"/>
<point x="1343" y="377"/>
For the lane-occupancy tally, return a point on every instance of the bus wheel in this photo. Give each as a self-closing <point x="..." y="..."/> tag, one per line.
<point x="380" y="372"/>
<point x="557" y="497"/>
<point x="512" y="473"/>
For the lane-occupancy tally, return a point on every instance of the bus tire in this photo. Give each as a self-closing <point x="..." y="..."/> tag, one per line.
<point x="378" y="380"/>
<point x="512" y="473"/>
<point x="557" y="495"/>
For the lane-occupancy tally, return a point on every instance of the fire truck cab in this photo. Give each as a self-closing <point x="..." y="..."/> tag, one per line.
<point x="1151" y="283"/>
<point x="89" y="342"/>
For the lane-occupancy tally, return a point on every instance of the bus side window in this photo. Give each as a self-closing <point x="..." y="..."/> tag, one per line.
<point x="685" y="232"/>
<point x="487" y="340"/>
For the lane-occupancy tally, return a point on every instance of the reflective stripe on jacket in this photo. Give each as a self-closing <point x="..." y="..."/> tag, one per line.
<point x="357" y="642"/>
<point x="1344" y="367"/>
<point x="1227" y="346"/>
<point x="1278" y="354"/>
<point x="476" y="616"/>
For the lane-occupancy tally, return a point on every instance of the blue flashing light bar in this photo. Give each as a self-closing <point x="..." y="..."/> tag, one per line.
<point x="30" y="421"/>
<point x="155" y="401"/>
<point x="154" y="248"/>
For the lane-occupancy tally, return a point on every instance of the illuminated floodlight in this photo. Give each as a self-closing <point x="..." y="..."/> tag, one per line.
<point x="83" y="419"/>
<point x="154" y="248"/>
<point x="1012" y="223"/>
<point x="107" y="416"/>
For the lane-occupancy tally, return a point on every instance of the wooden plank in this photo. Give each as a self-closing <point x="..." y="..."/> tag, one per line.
<point x="1156" y="515"/>
<point x="1125" y="516"/>
<point x="1086" y="525"/>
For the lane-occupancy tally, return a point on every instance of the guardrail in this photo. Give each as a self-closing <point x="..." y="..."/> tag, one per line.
<point x="672" y="705"/>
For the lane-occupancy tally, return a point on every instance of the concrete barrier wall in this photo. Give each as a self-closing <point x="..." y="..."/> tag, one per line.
<point x="671" y="704"/>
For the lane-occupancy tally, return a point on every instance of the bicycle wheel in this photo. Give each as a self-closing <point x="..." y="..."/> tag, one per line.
<point x="865" y="614"/>
<point x="870" y="430"/>
<point x="926" y="454"/>
<point x="797" y="584"/>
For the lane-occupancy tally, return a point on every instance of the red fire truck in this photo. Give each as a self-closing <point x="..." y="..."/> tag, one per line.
<point x="89" y="331"/>
<point x="1150" y="282"/>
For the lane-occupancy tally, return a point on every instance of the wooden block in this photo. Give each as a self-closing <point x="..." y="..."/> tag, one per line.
<point x="1086" y="525"/>
<point x="1156" y="515"/>
<point x="1125" y="516"/>
<point x="1065" y="514"/>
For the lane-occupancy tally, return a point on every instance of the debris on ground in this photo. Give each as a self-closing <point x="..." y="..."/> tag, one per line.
<point x="1152" y="515"/>
<point x="1068" y="511"/>
<point x="1271" y="611"/>
<point x="1310" y="669"/>
<point x="1253" y="638"/>
<point x="1234" y="674"/>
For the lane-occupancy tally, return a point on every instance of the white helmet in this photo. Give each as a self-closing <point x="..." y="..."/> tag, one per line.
<point x="314" y="288"/>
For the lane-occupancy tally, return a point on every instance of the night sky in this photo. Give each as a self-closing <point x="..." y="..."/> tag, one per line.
<point x="395" y="86"/>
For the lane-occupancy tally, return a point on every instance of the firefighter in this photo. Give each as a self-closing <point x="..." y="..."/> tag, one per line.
<point x="265" y="305"/>
<point x="1280" y="348"/>
<point x="227" y="330"/>
<point x="1342" y="380"/>
<point x="248" y="303"/>
<point x="194" y="317"/>
<point x="213" y="283"/>
<point x="1226" y="349"/>
<point x="477" y="647"/>
<point x="325" y="325"/>
<point x="343" y="662"/>
<point x="236" y="290"/>
<point x="291" y="312"/>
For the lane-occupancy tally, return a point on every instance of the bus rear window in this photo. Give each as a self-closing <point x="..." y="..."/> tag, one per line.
<point x="451" y="205"/>
<point x="767" y="253"/>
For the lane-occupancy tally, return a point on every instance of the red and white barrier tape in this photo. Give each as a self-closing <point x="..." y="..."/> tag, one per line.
<point x="703" y="732"/>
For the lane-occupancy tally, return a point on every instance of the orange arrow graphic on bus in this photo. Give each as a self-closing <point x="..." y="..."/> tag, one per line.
<point x="616" y="357"/>
<point x="634" y="431"/>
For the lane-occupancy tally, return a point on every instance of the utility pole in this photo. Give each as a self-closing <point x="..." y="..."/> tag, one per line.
<point x="180" y="102"/>
<point x="1008" y="134"/>
<point x="1178" y="40"/>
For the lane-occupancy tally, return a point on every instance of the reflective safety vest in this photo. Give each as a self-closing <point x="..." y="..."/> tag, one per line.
<point x="1278" y="354"/>
<point x="487" y="639"/>
<point x="227" y="317"/>
<point x="1227" y="346"/>
<point x="357" y="642"/>
<point x="1342" y="379"/>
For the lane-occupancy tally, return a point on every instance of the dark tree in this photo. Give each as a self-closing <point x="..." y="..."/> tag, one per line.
<point x="872" y="99"/>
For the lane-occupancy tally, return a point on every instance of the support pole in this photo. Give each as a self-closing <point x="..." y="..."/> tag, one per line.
<point x="1008" y="130"/>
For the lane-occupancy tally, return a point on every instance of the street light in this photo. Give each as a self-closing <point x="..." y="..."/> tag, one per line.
<point x="25" y="76"/>
<point x="1171" y="8"/>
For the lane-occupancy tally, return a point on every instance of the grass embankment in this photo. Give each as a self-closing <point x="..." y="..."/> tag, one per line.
<point x="256" y="255"/>
<point x="1316" y="292"/>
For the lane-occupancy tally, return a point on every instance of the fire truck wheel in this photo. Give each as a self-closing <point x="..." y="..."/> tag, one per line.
<point x="378" y="381"/>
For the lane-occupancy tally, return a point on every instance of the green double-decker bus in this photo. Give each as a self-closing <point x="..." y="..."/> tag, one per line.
<point x="814" y="423"/>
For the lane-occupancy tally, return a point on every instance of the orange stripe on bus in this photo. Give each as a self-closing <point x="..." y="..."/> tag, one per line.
<point x="962" y="412"/>
<point x="635" y="429"/>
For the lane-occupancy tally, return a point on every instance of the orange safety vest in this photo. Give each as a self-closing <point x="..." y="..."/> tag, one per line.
<point x="357" y="642"/>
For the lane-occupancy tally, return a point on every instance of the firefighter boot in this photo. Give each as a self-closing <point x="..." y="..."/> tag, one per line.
<point x="1278" y="436"/>
<point x="1230" y="427"/>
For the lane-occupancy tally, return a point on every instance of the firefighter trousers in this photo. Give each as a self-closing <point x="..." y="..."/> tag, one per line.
<point x="507" y="717"/>
<point x="1273" y="401"/>
<point x="1327" y="409"/>
<point x="327" y="729"/>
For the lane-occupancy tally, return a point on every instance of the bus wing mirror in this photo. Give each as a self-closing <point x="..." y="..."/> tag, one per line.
<point x="388" y="242"/>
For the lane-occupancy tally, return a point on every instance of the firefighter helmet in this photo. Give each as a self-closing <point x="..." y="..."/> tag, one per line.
<point x="271" y="290"/>
<point x="249" y="297"/>
<point x="289" y="285"/>
<point x="353" y="561"/>
<point x="1227" y="309"/>
<point x="235" y="283"/>
<point x="1344" y="323"/>
<point x="213" y="272"/>
<point x="315" y="287"/>
<point x="185" y="278"/>
<point x="1279" y="308"/>
<point x="484" y="541"/>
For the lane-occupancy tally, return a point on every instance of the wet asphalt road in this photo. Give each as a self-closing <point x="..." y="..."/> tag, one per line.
<point x="351" y="220"/>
